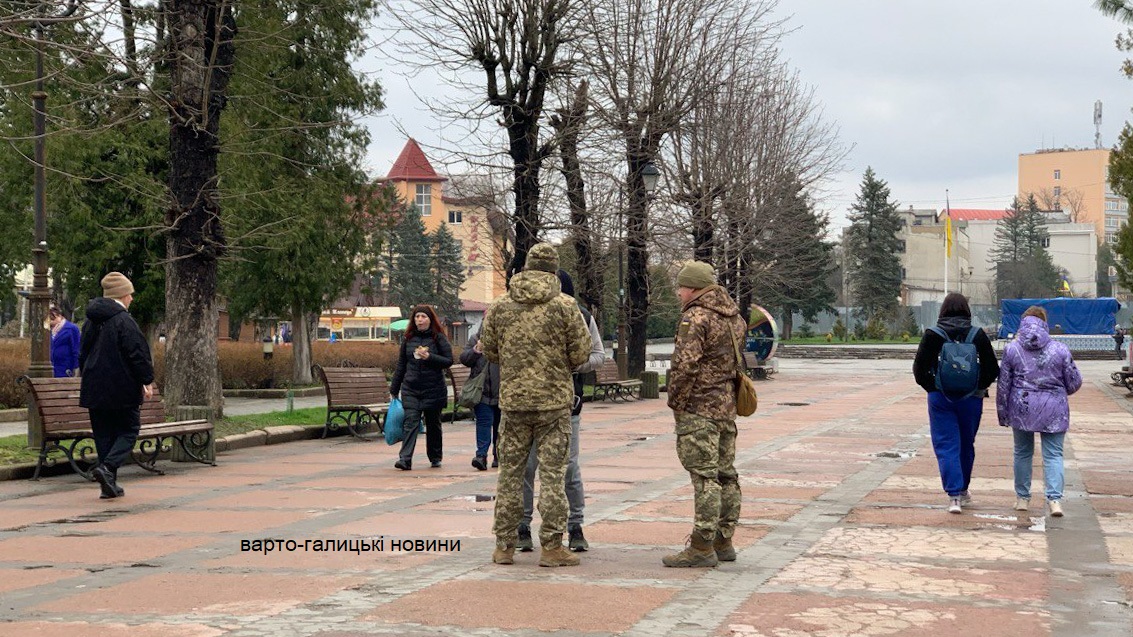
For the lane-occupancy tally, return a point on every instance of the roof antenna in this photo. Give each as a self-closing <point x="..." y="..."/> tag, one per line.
<point x="1098" y="124"/>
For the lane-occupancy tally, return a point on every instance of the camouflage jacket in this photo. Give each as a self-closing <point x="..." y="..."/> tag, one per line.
<point x="537" y="336"/>
<point x="703" y="369"/>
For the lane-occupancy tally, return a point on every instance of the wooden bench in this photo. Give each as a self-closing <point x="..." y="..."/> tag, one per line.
<point x="357" y="397"/>
<point x="608" y="383"/>
<point x="66" y="424"/>
<point x="458" y="375"/>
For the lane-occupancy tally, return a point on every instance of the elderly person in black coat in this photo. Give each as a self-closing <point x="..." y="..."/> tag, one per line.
<point x="420" y="380"/>
<point x="117" y="375"/>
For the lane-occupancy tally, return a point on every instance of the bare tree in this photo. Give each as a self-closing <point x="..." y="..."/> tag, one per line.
<point x="518" y="46"/>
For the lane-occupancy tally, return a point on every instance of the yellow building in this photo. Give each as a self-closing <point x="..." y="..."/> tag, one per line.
<point x="1075" y="182"/>
<point x="471" y="215"/>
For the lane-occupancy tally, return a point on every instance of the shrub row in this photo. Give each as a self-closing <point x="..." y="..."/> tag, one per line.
<point x="242" y="365"/>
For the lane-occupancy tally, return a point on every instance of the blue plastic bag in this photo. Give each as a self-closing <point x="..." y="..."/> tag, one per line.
<point x="395" y="417"/>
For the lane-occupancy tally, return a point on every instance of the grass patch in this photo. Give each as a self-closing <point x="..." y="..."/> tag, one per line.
<point x="243" y="424"/>
<point x="13" y="450"/>
<point x="821" y="340"/>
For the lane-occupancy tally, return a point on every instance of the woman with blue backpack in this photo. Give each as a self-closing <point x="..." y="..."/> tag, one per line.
<point x="1031" y="397"/>
<point x="955" y="364"/>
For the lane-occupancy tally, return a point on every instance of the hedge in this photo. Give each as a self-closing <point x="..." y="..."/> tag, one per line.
<point x="242" y="365"/>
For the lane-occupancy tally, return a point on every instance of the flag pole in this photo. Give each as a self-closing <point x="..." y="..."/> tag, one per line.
<point x="947" y="231"/>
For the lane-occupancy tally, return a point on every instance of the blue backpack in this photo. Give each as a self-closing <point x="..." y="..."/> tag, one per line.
<point x="958" y="371"/>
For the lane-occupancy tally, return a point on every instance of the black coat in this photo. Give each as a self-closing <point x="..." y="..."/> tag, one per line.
<point x="114" y="358"/>
<point x="421" y="383"/>
<point x="470" y="358"/>
<point x="928" y="353"/>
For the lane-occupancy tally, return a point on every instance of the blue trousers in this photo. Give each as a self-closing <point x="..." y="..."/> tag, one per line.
<point x="1053" y="476"/>
<point x="954" y="425"/>
<point x="487" y="429"/>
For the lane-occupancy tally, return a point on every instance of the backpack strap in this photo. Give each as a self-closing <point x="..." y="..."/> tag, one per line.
<point x="971" y="337"/>
<point x="941" y="333"/>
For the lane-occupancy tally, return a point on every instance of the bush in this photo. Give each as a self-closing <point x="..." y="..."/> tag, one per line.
<point x="839" y="329"/>
<point x="15" y="357"/>
<point x="876" y="329"/>
<point x="805" y="330"/>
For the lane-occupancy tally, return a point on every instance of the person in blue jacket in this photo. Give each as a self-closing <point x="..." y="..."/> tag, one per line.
<point x="64" y="345"/>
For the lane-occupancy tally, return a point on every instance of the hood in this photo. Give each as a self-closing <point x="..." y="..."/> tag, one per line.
<point x="532" y="287"/>
<point x="954" y="325"/>
<point x="1033" y="333"/>
<point x="103" y="309"/>
<point x="714" y="298"/>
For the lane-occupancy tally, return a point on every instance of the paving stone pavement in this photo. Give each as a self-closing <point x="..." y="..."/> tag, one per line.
<point x="843" y="533"/>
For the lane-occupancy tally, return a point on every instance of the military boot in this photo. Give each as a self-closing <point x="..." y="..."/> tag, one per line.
<point x="555" y="554"/>
<point x="504" y="555"/>
<point x="725" y="552"/>
<point x="697" y="554"/>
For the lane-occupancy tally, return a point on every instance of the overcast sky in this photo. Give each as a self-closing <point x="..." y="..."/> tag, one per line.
<point x="932" y="95"/>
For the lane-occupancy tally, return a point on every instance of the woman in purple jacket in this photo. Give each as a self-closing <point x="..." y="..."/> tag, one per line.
<point x="1036" y="377"/>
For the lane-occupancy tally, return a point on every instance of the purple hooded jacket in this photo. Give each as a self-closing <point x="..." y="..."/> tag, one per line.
<point x="1035" y="378"/>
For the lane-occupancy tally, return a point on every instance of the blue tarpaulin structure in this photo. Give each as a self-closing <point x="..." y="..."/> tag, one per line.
<point x="1075" y="316"/>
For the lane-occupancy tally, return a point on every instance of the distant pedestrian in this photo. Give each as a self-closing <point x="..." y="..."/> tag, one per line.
<point x="117" y="372"/>
<point x="537" y="336"/>
<point x="64" y="345"/>
<point x="424" y="356"/>
<point x="487" y="411"/>
<point x="1118" y="341"/>
<point x="702" y="395"/>
<point x="954" y="419"/>
<point x="575" y="493"/>
<point x="1035" y="382"/>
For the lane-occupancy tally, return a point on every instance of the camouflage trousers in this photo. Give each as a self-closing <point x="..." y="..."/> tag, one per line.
<point x="550" y="433"/>
<point x="707" y="450"/>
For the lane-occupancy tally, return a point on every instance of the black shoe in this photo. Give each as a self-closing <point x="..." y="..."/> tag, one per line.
<point x="436" y="464"/>
<point x="495" y="463"/>
<point x="404" y="465"/>
<point x="105" y="479"/>
<point x="524" y="541"/>
<point x="578" y="541"/>
<point x="480" y="462"/>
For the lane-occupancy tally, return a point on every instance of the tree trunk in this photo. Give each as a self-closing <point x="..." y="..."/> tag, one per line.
<point x="788" y="324"/>
<point x="703" y="230"/>
<point x="568" y="125"/>
<point x="301" y="337"/>
<point x="637" y="273"/>
<point x="201" y="56"/>
<point x="523" y="134"/>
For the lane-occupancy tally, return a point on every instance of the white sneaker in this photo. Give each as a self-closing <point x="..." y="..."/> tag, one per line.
<point x="1021" y="504"/>
<point x="965" y="499"/>
<point x="954" y="505"/>
<point x="1055" y="508"/>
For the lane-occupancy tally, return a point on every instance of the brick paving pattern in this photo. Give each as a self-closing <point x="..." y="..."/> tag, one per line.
<point x="844" y="533"/>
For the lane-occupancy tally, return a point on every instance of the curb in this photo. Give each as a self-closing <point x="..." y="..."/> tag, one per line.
<point x="306" y="392"/>
<point x="255" y="438"/>
<point x="14" y="415"/>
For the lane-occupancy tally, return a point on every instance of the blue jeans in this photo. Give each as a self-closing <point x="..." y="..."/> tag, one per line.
<point x="1052" y="463"/>
<point x="576" y="498"/>
<point x="953" y="425"/>
<point x="487" y="429"/>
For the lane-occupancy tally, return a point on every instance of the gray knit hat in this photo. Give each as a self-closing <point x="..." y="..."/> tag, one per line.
<point x="543" y="258"/>
<point x="696" y="275"/>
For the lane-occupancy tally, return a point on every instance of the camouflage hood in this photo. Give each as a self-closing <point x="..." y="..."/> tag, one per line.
<point x="532" y="287"/>
<point x="715" y="299"/>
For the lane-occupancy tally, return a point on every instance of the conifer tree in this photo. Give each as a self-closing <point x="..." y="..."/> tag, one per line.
<point x="410" y="278"/>
<point x="1023" y="267"/>
<point x="448" y="273"/>
<point x="874" y="265"/>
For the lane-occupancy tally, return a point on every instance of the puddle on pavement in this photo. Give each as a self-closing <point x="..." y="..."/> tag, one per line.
<point x="1038" y="524"/>
<point x="479" y="497"/>
<point x="793" y="404"/>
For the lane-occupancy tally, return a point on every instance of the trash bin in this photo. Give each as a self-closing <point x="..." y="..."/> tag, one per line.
<point x="650" y="385"/>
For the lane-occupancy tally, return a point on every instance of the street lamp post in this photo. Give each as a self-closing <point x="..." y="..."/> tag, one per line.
<point x="650" y="175"/>
<point x="39" y="298"/>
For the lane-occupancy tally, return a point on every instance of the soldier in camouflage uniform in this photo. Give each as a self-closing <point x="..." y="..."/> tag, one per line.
<point x="537" y="336"/>
<point x="702" y="394"/>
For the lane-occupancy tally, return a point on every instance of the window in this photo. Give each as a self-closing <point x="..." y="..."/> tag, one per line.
<point x="903" y="273"/>
<point x="1046" y="242"/>
<point x="424" y="200"/>
<point x="455" y="216"/>
<point x="901" y="246"/>
<point x="1058" y="191"/>
<point x="1057" y="174"/>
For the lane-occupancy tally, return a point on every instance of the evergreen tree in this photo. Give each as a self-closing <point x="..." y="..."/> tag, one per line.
<point x="804" y="260"/>
<point x="448" y="273"/>
<point x="1023" y="267"/>
<point x="1121" y="179"/>
<point x="874" y="265"/>
<point x="410" y="279"/>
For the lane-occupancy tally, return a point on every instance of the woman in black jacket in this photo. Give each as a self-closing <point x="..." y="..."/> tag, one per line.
<point x="420" y="379"/>
<point x="954" y="420"/>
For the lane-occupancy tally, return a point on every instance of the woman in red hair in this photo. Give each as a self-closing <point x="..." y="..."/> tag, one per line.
<point x="420" y="381"/>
